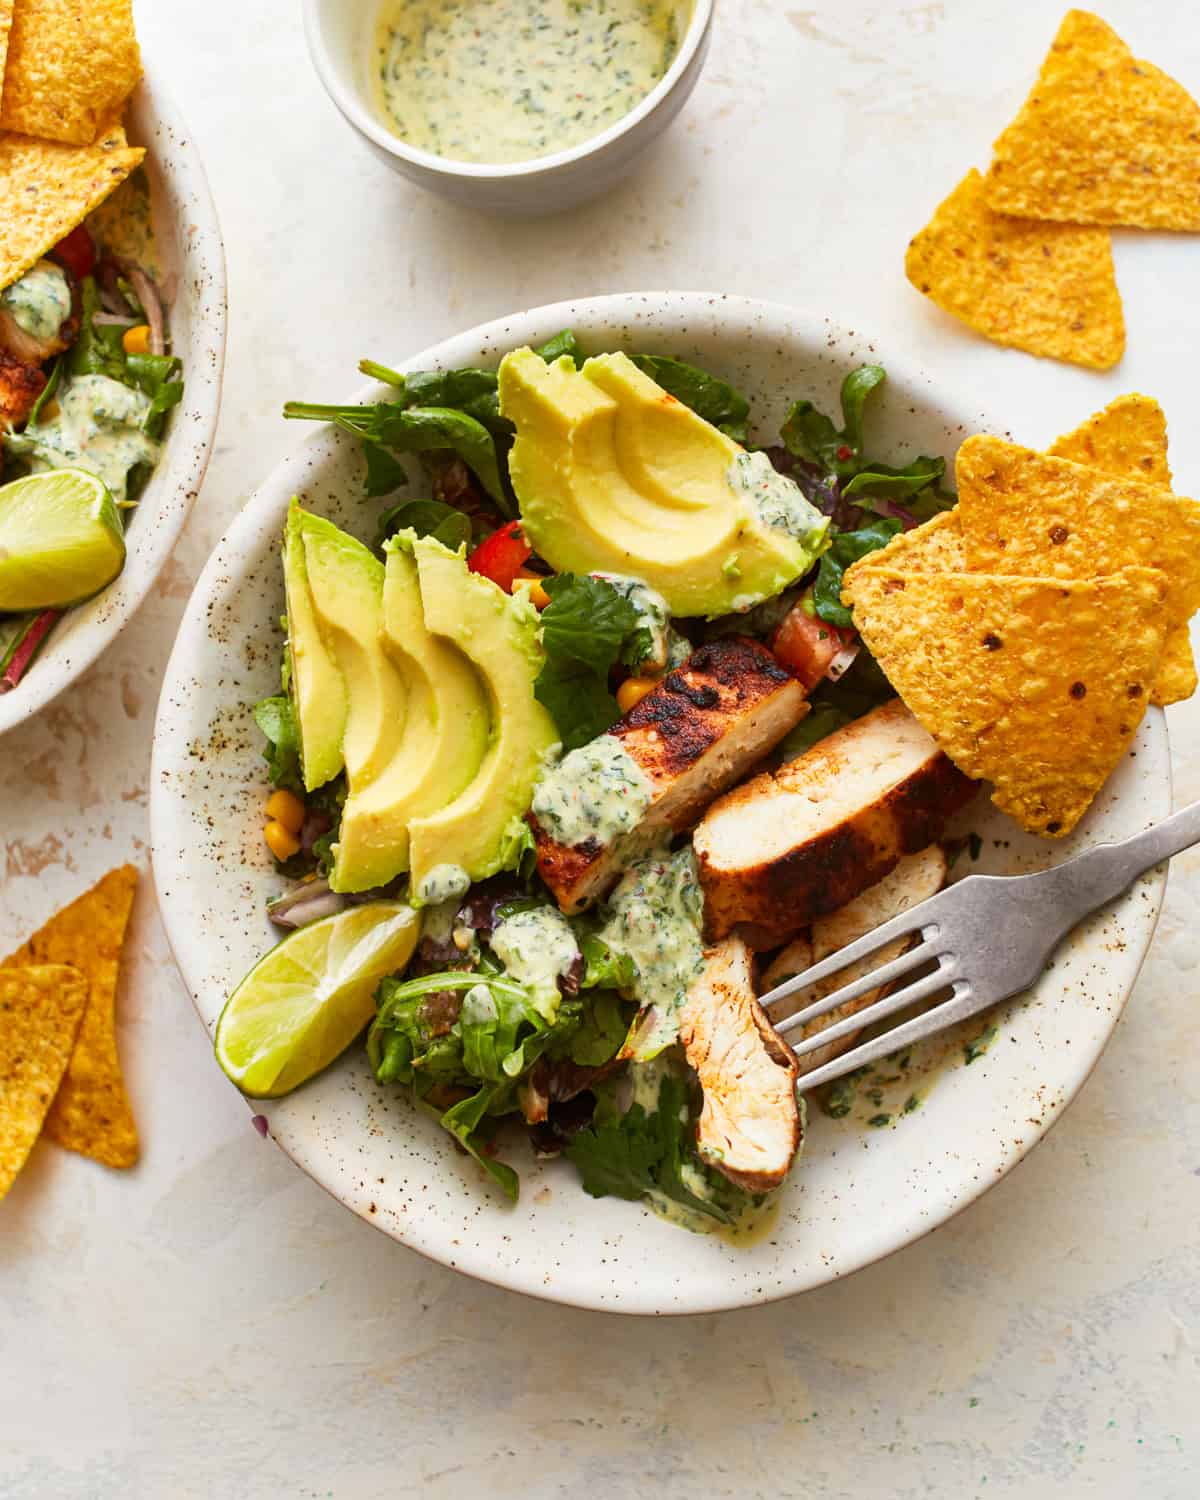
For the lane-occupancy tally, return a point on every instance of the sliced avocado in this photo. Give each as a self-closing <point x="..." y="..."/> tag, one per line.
<point x="613" y="474"/>
<point x="445" y="735"/>
<point x="318" y="692"/>
<point x="345" y="581"/>
<point x="497" y="632"/>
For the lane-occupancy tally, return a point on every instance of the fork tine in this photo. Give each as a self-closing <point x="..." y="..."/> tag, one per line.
<point x="918" y="919"/>
<point x="899" y="999"/>
<point x="963" y="1003"/>
<point x="872" y="979"/>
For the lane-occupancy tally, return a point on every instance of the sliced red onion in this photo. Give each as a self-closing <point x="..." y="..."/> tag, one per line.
<point x="113" y="320"/>
<point x="152" y="304"/>
<point x="260" y="1124"/>
<point x="31" y="643"/>
<point x="307" y="901"/>
<point x="843" y="661"/>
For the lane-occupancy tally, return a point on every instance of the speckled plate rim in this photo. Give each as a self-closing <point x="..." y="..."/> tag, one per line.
<point x="184" y="207"/>
<point x="617" y="1265"/>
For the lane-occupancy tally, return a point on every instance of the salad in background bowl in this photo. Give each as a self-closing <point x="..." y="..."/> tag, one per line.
<point x="483" y="1007"/>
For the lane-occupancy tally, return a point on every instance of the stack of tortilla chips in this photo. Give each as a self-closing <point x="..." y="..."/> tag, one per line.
<point x="1023" y="254"/>
<point x="1028" y="628"/>
<point x="59" y="1070"/>
<point x="66" y="72"/>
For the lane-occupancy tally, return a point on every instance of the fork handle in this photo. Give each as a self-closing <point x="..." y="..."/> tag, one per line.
<point x="1089" y="881"/>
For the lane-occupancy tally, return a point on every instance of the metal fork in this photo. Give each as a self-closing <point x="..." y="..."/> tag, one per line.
<point x="988" y="936"/>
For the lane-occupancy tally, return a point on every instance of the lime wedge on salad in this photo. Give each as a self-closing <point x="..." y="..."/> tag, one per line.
<point x="61" y="540"/>
<point x="307" y="1000"/>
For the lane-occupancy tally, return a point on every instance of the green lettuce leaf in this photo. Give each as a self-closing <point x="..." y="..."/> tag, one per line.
<point x="562" y="343"/>
<point x="427" y="518"/>
<point x="277" y="720"/>
<point x="709" y="397"/>
<point x="585" y="628"/>
<point x="846" y="548"/>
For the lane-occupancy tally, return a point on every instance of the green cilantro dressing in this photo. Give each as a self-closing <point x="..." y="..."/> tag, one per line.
<point x="39" y="303"/>
<point x="668" y="649"/>
<point x="596" y="792"/>
<point x="510" y="80"/>
<point x="779" y="501"/>
<point x="98" y="427"/>
<point x="653" y="917"/>
<point x="443" y="883"/>
<point x="537" y="948"/>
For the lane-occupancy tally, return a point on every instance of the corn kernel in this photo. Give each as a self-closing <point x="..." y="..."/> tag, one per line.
<point x="286" y="808"/>
<point x="632" y="691"/>
<point x="538" y="596"/>
<point x="281" y="841"/>
<point x="136" y="340"/>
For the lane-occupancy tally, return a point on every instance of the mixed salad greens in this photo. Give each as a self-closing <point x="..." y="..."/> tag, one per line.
<point x="512" y="1011"/>
<point x="86" y="382"/>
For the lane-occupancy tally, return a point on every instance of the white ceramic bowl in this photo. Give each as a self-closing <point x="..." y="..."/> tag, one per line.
<point x="340" y="41"/>
<point x="857" y="1193"/>
<point x="193" y="280"/>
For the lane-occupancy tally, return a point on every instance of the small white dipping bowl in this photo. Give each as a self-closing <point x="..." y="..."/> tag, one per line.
<point x="341" y="41"/>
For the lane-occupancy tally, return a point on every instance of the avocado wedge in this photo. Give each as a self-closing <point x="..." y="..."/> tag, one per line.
<point x="471" y="837"/>
<point x="318" y="692"/>
<point x="614" y="474"/>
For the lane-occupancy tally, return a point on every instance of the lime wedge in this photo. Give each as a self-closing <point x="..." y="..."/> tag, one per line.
<point x="307" y="1000"/>
<point x="61" y="540"/>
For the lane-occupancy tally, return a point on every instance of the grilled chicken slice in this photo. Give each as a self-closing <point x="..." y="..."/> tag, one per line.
<point x="795" y="844"/>
<point x="28" y="348"/>
<point x="701" y="728"/>
<point x="915" y="879"/>
<point x="749" y="1126"/>
<point x="20" y="386"/>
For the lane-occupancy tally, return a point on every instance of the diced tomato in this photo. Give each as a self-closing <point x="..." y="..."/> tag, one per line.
<point x="77" y="252"/>
<point x="807" y="646"/>
<point x="502" y="556"/>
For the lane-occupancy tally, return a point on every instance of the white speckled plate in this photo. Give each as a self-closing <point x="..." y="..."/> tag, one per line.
<point x="858" y="1192"/>
<point x="188" y="241"/>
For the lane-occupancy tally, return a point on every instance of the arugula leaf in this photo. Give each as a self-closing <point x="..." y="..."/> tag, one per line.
<point x="47" y="394"/>
<point x="96" y="350"/>
<point x="630" y="1155"/>
<point x="584" y="630"/>
<point x="604" y="967"/>
<point x="427" y="518"/>
<point x="884" y="482"/>
<point x="846" y="548"/>
<point x="709" y="397"/>
<point x="810" y="435"/>
<point x="462" y="1120"/>
<point x="562" y="343"/>
<point x="600" y="1032"/>
<point x="275" y="717"/>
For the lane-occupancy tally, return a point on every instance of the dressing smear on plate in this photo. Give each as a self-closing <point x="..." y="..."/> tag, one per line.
<point x="509" y="80"/>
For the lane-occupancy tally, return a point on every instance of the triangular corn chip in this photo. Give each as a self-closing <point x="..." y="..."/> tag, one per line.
<point x="935" y="547"/>
<point x="1103" y="138"/>
<point x="48" y="189"/>
<point x="1129" y="439"/>
<point x="1049" y="289"/>
<point x="40" y="1010"/>
<point x="6" y="15"/>
<point x="91" y="1114"/>
<point x="1025" y="513"/>
<point x="71" y="67"/>
<point x="1036" y="685"/>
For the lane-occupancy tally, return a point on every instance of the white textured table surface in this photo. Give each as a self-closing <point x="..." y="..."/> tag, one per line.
<point x="212" y="1323"/>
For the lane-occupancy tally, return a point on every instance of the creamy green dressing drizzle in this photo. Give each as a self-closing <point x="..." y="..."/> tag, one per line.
<point x="596" y="792"/>
<point x="98" y="427"/>
<point x="40" y="301"/>
<point x="779" y="501"/>
<point x="668" y="648"/>
<point x="509" y="80"/>
<point x="537" y="948"/>
<point x="653" y="917"/>
<point x="443" y="883"/>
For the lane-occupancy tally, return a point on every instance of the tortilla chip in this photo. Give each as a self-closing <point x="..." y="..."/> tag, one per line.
<point x="47" y="190"/>
<point x="935" y="547"/>
<point x="1049" y="289"/>
<point x="91" y="1114"/>
<point x="6" y="15"/>
<point x="1129" y="438"/>
<point x="71" y="67"/>
<point x="1104" y="138"/>
<point x="1034" y="684"/>
<point x="39" y="1016"/>
<point x="1025" y="513"/>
